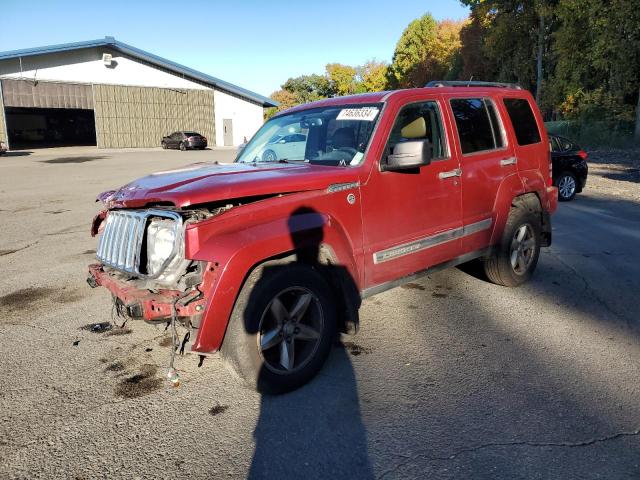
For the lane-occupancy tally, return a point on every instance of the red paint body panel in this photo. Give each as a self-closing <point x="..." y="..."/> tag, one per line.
<point x="243" y="237"/>
<point x="390" y="208"/>
<point x="206" y="183"/>
<point x="155" y="306"/>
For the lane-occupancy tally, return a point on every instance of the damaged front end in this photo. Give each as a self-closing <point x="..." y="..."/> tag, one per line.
<point x="142" y="262"/>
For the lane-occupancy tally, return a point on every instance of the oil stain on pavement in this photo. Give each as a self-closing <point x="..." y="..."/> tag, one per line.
<point x="140" y="384"/>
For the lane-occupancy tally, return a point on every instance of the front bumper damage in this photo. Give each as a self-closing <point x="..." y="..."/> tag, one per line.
<point x="152" y="306"/>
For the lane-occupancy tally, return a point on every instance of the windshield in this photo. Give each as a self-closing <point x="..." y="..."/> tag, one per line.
<point x="336" y="135"/>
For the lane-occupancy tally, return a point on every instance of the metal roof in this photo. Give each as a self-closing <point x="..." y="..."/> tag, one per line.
<point x="147" y="57"/>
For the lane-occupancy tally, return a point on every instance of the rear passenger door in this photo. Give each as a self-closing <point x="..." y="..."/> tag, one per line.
<point x="485" y="161"/>
<point x="527" y="144"/>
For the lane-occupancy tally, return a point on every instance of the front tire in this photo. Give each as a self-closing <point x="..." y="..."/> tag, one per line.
<point x="269" y="156"/>
<point x="515" y="258"/>
<point x="164" y="145"/>
<point x="567" y="186"/>
<point x="281" y="329"/>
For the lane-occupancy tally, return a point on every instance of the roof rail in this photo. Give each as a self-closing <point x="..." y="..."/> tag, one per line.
<point x="471" y="83"/>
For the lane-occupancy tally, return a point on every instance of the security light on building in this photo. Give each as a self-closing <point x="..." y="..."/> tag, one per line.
<point x="112" y="95"/>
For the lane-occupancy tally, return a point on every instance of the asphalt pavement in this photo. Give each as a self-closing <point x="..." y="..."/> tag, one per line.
<point x="449" y="376"/>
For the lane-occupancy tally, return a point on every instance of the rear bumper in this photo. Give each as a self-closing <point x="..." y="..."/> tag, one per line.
<point x="196" y="144"/>
<point x="147" y="305"/>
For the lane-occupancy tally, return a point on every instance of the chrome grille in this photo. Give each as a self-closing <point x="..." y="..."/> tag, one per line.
<point x="122" y="239"/>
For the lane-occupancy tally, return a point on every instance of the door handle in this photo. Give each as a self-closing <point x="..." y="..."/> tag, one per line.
<point x="508" y="161"/>
<point x="452" y="173"/>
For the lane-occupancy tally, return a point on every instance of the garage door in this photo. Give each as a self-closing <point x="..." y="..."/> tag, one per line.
<point x="45" y="114"/>
<point x="141" y="116"/>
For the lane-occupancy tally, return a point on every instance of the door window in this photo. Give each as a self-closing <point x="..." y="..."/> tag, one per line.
<point x="477" y="123"/>
<point x="523" y="121"/>
<point x="419" y="121"/>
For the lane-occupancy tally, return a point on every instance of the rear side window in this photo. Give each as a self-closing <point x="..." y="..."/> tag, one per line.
<point x="523" y="121"/>
<point x="477" y="124"/>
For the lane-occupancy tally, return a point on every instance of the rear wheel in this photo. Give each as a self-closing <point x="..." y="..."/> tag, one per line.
<point x="515" y="258"/>
<point x="183" y="146"/>
<point x="281" y="329"/>
<point x="567" y="186"/>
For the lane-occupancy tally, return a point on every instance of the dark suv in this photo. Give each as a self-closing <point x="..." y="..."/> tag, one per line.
<point x="569" y="167"/>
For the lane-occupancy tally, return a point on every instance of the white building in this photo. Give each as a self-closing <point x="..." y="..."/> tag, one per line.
<point x="112" y="95"/>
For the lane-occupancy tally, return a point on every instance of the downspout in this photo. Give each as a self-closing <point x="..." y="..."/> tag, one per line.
<point x="4" y="118"/>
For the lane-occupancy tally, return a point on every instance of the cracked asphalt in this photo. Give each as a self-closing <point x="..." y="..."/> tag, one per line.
<point x="449" y="377"/>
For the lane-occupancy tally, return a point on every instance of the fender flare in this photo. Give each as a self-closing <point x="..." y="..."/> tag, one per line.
<point x="233" y="256"/>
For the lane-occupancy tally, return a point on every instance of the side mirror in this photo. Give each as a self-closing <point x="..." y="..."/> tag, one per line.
<point x="407" y="155"/>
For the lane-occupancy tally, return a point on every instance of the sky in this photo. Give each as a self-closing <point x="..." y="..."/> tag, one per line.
<point x="257" y="45"/>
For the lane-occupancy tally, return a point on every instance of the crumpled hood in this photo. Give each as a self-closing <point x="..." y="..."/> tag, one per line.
<point x="210" y="182"/>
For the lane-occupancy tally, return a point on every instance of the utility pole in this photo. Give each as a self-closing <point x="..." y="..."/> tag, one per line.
<point x="637" y="132"/>
<point x="540" y="53"/>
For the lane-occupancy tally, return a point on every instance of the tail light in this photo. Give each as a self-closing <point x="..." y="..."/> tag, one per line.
<point x="583" y="155"/>
<point x="550" y="178"/>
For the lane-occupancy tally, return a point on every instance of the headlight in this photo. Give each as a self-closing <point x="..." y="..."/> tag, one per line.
<point x="161" y="244"/>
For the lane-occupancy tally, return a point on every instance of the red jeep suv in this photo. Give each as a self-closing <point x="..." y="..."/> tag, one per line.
<point x="266" y="260"/>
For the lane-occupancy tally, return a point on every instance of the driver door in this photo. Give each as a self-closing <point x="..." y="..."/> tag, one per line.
<point x="411" y="219"/>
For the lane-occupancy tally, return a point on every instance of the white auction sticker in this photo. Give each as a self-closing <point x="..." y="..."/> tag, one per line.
<point x="368" y="114"/>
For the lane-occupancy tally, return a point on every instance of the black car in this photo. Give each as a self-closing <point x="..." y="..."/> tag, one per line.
<point x="569" y="167"/>
<point x="184" y="141"/>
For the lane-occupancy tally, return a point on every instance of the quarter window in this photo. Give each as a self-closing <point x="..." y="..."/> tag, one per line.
<point x="419" y="121"/>
<point x="523" y="121"/>
<point x="477" y="124"/>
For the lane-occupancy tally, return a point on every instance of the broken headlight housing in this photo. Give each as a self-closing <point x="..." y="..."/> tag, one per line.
<point x="161" y="244"/>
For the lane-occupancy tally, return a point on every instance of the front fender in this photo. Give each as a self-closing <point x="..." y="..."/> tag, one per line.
<point x="233" y="255"/>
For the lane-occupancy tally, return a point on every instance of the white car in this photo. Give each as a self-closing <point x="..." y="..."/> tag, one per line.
<point x="290" y="147"/>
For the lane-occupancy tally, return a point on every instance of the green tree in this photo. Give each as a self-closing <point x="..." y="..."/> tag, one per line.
<point x="427" y="50"/>
<point x="372" y="76"/>
<point x="308" y="88"/>
<point x="476" y="63"/>
<point x="342" y="79"/>
<point x="409" y="63"/>
<point x="598" y="49"/>
<point x="511" y="41"/>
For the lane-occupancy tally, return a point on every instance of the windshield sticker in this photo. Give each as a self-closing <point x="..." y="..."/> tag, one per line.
<point x="368" y="114"/>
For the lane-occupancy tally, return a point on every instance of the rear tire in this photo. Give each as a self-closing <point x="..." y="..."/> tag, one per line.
<point x="514" y="259"/>
<point x="567" y="186"/>
<point x="273" y="346"/>
<point x="183" y="147"/>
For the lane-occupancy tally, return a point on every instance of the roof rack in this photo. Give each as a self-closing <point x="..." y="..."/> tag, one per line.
<point x="471" y="83"/>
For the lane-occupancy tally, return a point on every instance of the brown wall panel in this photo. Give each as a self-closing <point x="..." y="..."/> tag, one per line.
<point x="141" y="116"/>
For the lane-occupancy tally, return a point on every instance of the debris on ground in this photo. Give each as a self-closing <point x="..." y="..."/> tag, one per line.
<point x="355" y="349"/>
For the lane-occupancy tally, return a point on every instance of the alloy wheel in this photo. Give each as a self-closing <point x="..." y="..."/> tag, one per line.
<point x="567" y="186"/>
<point x="290" y="330"/>
<point x="523" y="249"/>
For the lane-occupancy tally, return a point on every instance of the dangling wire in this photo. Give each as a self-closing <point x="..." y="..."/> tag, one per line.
<point x="172" y="374"/>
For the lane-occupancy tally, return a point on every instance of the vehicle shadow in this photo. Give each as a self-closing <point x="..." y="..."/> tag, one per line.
<point x="21" y="153"/>
<point x="317" y="430"/>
